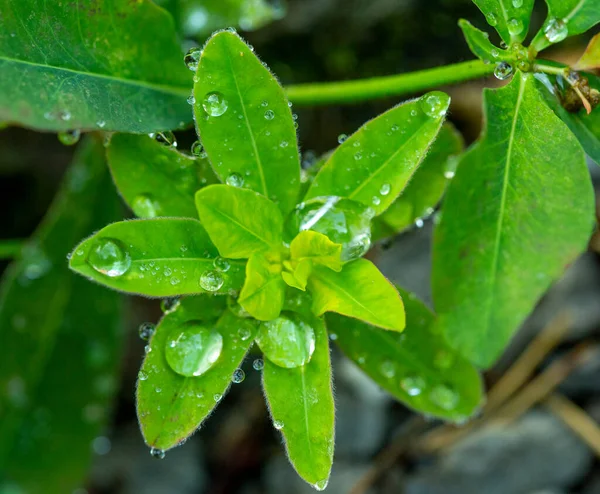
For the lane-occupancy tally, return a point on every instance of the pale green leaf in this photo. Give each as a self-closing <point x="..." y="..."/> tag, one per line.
<point x="264" y="289"/>
<point x="316" y="247"/>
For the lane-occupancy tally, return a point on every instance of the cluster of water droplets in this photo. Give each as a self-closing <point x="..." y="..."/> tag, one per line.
<point x="212" y="280"/>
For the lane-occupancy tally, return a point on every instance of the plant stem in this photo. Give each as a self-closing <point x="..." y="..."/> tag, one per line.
<point x="382" y="87"/>
<point x="10" y="249"/>
<point x="549" y="67"/>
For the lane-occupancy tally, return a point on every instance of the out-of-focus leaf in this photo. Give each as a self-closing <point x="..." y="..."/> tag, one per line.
<point x="480" y="44"/>
<point x="425" y="189"/>
<point x="61" y="341"/>
<point x="417" y="367"/>
<point x="264" y="289"/>
<point x="172" y="406"/>
<point x="360" y="291"/>
<point x="244" y="120"/>
<point x="157" y="258"/>
<point x="114" y="65"/>
<point x="591" y="57"/>
<point x="509" y="17"/>
<point x="518" y="211"/>
<point x="374" y="165"/>
<point x="301" y="404"/>
<point x="154" y="179"/>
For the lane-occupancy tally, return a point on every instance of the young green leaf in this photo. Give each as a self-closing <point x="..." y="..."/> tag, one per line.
<point x="61" y="340"/>
<point x="360" y="291"/>
<point x="81" y="68"/>
<point x="425" y="189"/>
<point x="264" y="289"/>
<point x="239" y="221"/>
<point x="245" y="122"/>
<point x="154" y="179"/>
<point x="417" y="367"/>
<point x="509" y="17"/>
<point x="188" y="368"/>
<point x="301" y="404"/>
<point x="480" y="44"/>
<point x="591" y="58"/>
<point x="317" y="248"/>
<point x="519" y="209"/>
<point x="156" y="258"/>
<point x="566" y="18"/>
<point x="296" y="274"/>
<point x="585" y="127"/>
<point x="375" y="164"/>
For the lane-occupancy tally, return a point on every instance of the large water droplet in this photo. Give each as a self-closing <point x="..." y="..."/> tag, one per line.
<point x="517" y="4"/>
<point x="170" y="304"/>
<point x="146" y="330"/>
<point x="321" y="485"/>
<point x="515" y="27"/>
<point x="412" y="385"/>
<point x="193" y="348"/>
<point x="258" y="364"/>
<point x="288" y="341"/>
<point x="144" y="206"/>
<point x="192" y="57"/>
<point x="69" y="137"/>
<point x="211" y="281"/>
<point x="556" y="30"/>
<point x="109" y="257"/>
<point x="238" y="376"/>
<point x="444" y="396"/>
<point x="269" y="114"/>
<point x="278" y="424"/>
<point x="214" y="104"/>
<point x="503" y="71"/>
<point x="344" y="221"/>
<point x="385" y="189"/>
<point x="435" y="104"/>
<point x="491" y="19"/>
<point x="159" y="454"/>
<point x="198" y="150"/>
<point x="235" y="180"/>
<point x="342" y="138"/>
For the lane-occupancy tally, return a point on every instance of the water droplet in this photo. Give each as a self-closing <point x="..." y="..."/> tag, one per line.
<point x="419" y="222"/>
<point x="503" y="71"/>
<point x="321" y="485"/>
<point x="144" y="206"/>
<point x="342" y="138"/>
<point x="264" y="103"/>
<point x="283" y="144"/>
<point x="413" y="385"/>
<point x="269" y="114"/>
<point x="435" y="104"/>
<point x="214" y="104"/>
<point x="191" y="100"/>
<point x="197" y="150"/>
<point x="517" y="4"/>
<point x="244" y="333"/>
<point x="376" y="201"/>
<point x="491" y="19"/>
<point x="258" y="364"/>
<point x="515" y="27"/>
<point x="159" y="454"/>
<point x="193" y="348"/>
<point x="449" y="174"/>
<point x="388" y="369"/>
<point x="556" y="30"/>
<point x="170" y="304"/>
<point x="278" y="424"/>
<point x="288" y="341"/>
<point x="385" y="189"/>
<point x="358" y="156"/>
<point x="238" y="376"/>
<point x="235" y="180"/>
<point x="146" y="330"/>
<point x="69" y="137"/>
<point x="142" y="376"/>
<point x="167" y="138"/>
<point x="217" y="397"/>
<point x="109" y="257"/>
<point x="444" y="397"/>
<point x="495" y="53"/>
<point x="211" y="281"/>
<point x="192" y="57"/>
<point x="333" y="336"/>
<point x="344" y="221"/>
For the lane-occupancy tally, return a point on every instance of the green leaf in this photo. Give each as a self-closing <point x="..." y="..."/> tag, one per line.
<point x="154" y="179"/>
<point x="518" y="211"/>
<point x="264" y="289"/>
<point x="585" y="127"/>
<point x="296" y="274"/>
<point x="591" y="57"/>
<point x="417" y="367"/>
<point x="301" y="404"/>
<point x="157" y="258"/>
<point x="425" y="189"/>
<point x="239" y="221"/>
<point x="509" y="17"/>
<point x="245" y="122"/>
<point x="480" y="44"/>
<point x="566" y="18"/>
<point x="61" y="340"/>
<point x="172" y="406"/>
<point x="375" y="164"/>
<point x="114" y="66"/>
<point x="317" y="248"/>
<point x="360" y="291"/>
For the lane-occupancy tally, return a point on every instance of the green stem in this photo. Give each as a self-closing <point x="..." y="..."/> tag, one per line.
<point x="549" y="67"/>
<point x="11" y="249"/>
<point x="382" y="87"/>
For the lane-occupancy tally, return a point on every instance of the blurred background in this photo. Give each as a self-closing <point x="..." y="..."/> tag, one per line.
<point x="545" y="439"/>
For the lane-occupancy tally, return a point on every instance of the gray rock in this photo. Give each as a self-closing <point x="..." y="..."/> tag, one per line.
<point x="536" y="453"/>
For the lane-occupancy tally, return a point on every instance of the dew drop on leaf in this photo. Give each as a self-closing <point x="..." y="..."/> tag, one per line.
<point x="214" y="104"/>
<point x="258" y="364"/>
<point x="198" y="150"/>
<point x="321" y="485"/>
<point x="269" y="114"/>
<point x="217" y="397"/>
<point x="556" y="30"/>
<point x="288" y="341"/>
<point x="221" y="264"/>
<point x="192" y="57"/>
<point x="387" y="369"/>
<point x="235" y="180"/>
<point x="191" y="100"/>
<point x="211" y="281"/>
<point x="193" y="348"/>
<point x="517" y="4"/>
<point x="142" y="376"/>
<point x="238" y="376"/>
<point x="144" y="206"/>
<point x="69" y="137"/>
<point x="278" y="424"/>
<point x="412" y="385"/>
<point x="385" y="189"/>
<point x="342" y="138"/>
<point x="109" y="257"/>
<point x="515" y="27"/>
<point x="170" y="304"/>
<point x="503" y="71"/>
<point x="444" y="396"/>
<point x="159" y="454"/>
<point x="435" y="104"/>
<point x="491" y="19"/>
<point x="167" y="138"/>
<point x="146" y="330"/>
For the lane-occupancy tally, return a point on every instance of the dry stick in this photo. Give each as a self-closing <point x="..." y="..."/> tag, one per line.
<point x="577" y="419"/>
<point x="520" y="371"/>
